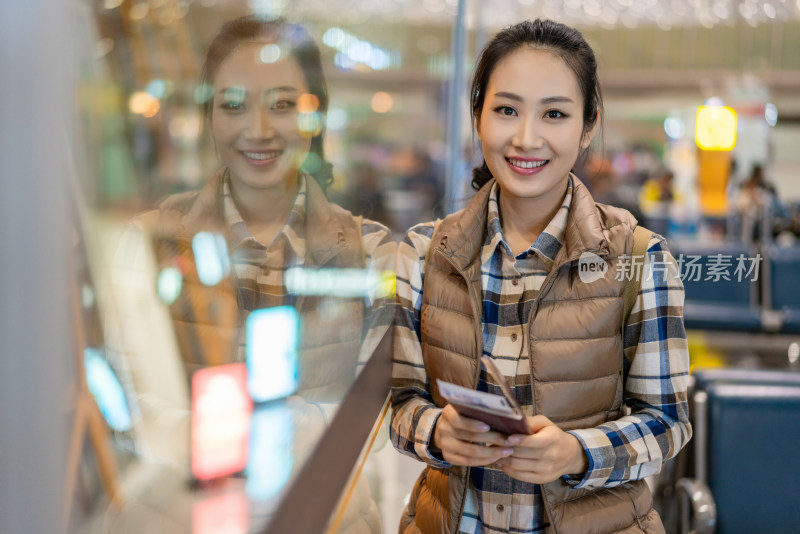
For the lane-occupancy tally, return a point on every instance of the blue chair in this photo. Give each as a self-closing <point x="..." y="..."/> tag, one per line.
<point x="737" y="375"/>
<point x="747" y="466"/>
<point x="717" y="304"/>
<point x="784" y="281"/>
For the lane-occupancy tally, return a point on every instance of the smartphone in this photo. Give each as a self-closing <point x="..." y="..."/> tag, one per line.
<point x="501" y="412"/>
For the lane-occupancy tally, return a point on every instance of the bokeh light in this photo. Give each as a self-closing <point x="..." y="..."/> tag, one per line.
<point x="382" y="102"/>
<point x="794" y="352"/>
<point x="143" y="103"/>
<point x="715" y="127"/>
<point x="771" y="114"/>
<point x="674" y="127"/>
<point x="107" y="391"/>
<point x="203" y="93"/>
<point x="272" y="338"/>
<point x="269" y="9"/>
<point x="307" y="103"/>
<point x="309" y="124"/>
<point x="270" y="53"/>
<point x="169" y="284"/>
<point x="337" y="119"/>
<point x="211" y="257"/>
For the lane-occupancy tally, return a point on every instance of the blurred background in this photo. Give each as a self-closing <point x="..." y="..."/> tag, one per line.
<point x="101" y="119"/>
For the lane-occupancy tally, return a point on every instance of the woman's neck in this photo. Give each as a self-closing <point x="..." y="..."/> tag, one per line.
<point x="265" y="210"/>
<point x="524" y="219"/>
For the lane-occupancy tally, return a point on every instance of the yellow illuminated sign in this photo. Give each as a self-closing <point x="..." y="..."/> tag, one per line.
<point x="715" y="128"/>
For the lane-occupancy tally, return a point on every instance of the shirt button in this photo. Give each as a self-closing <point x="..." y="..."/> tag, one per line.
<point x="515" y="281"/>
<point x="500" y="507"/>
<point x="513" y="337"/>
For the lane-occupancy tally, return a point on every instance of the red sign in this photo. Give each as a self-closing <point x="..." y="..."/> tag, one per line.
<point x="221" y="408"/>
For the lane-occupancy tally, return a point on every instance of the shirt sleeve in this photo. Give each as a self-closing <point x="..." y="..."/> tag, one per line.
<point x="414" y="414"/>
<point x="379" y="257"/>
<point x="636" y="445"/>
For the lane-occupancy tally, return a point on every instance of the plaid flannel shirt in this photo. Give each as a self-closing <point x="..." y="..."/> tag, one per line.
<point x="630" y="448"/>
<point x="260" y="268"/>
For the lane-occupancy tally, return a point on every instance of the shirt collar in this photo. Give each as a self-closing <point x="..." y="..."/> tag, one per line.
<point x="293" y="231"/>
<point x="546" y="245"/>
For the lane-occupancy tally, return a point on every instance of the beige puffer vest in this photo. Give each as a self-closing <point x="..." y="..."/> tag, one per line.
<point x="576" y="360"/>
<point x="208" y="320"/>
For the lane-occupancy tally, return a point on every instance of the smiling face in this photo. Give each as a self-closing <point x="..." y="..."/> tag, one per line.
<point x="254" y="119"/>
<point x="531" y="125"/>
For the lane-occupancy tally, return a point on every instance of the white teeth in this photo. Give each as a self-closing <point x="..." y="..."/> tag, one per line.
<point x="261" y="155"/>
<point x="527" y="164"/>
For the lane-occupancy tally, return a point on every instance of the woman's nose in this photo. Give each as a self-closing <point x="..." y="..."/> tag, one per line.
<point x="260" y="125"/>
<point x="528" y="135"/>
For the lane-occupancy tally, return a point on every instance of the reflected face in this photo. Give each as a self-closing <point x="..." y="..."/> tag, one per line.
<point x="531" y="125"/>
<point x="254" y="119"/>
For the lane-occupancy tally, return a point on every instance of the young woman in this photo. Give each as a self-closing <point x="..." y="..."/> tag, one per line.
<point x="265" y="109"/>
<point x="501" y="278"/>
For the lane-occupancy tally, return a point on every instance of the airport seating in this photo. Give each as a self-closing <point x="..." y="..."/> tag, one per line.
<point x="747" y="470"/>
<point x="731" y="375"/>
<point x="784" y="286"/>
<point x="714" y="303"/>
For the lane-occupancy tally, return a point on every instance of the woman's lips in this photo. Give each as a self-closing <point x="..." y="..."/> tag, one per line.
<point x="526" y="167"/>
<point x="260" y="158"/>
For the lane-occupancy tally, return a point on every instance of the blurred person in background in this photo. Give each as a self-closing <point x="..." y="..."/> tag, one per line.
<point x="761" y="211"/>
<point x="501" y="278"/>
<point x="655" y="199"/>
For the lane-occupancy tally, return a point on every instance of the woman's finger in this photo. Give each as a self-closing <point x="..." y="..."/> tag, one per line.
<point x="520" y="464"/>
<point x="461" y="422"/>
<point x="489" y="438"/>
<point x="472" y="455"/>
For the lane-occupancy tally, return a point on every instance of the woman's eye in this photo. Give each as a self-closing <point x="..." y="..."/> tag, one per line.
<point x="507" y="111"/>
<point x="554" y="114"/>
<point x="232" y="105"/>
<point x="283" y="105"/>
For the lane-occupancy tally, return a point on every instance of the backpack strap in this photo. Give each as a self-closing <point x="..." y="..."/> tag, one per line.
<point x="641" y="237"/>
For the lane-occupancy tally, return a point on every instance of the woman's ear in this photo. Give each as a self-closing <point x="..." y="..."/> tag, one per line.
<point x="588" y="135"/>
<point x="476" y="125"/>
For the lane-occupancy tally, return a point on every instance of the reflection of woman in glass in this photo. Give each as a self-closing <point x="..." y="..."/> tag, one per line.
<point x="501" y="278"/>
<point x="265" y="104"/>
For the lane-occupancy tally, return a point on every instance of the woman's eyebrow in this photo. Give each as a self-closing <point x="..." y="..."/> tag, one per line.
<point x="556" y="99"/>
<point x="510" y="96"/>
<point x="546" y="100"/>
<point x="282" y="88"/>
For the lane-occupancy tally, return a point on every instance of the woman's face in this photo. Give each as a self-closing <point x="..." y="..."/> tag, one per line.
<point x="254" y="119"/>
<point x="531" y="125"/>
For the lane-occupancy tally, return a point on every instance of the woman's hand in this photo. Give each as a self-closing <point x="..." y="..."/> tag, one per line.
<point x="546" y="455"/>
<point x="465" y="441"/>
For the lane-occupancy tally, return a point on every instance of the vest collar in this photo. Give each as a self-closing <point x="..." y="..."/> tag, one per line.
<point x="326" y="236"/>
<point x="585" y="230"/>
<point x="461" y="241"/>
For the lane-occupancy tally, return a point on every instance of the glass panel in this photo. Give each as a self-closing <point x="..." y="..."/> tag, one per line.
<point x="237" y="302"/>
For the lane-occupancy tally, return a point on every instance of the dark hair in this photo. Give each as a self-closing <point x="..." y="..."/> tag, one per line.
<point x="302" y="47"/>
<point x="567" y="43"/>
